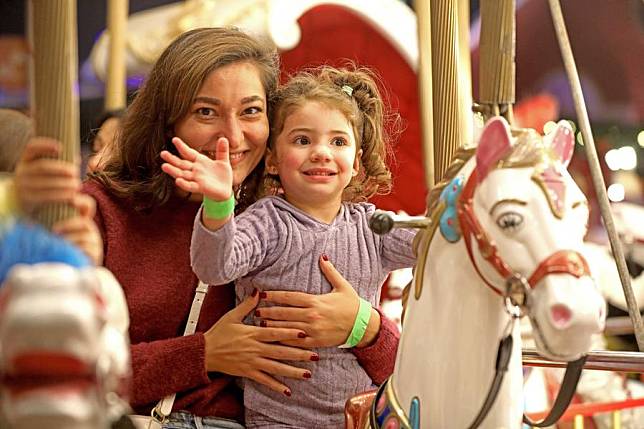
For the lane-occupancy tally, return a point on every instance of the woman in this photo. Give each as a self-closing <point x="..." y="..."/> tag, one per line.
<point x="207" y="84"/>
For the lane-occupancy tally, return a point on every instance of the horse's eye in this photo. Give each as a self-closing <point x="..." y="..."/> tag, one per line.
<point x="510" y="221"/>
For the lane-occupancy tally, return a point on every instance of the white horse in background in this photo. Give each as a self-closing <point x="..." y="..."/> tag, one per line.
<point x="504" y="213"/>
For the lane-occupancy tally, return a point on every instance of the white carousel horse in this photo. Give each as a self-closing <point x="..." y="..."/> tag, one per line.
<point x="505" y="215"/>
<point x="64" y="348"/>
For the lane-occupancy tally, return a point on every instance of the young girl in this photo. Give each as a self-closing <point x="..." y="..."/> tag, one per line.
<point x="325" y="158"/>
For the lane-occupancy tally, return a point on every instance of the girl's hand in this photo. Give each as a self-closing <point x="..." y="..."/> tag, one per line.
<point x="327" y="319"/>
<point x="196" y="173"/>
<point x="39" y="180"/>
<point x="253" y="352"/>
<point x="81" y="230"/>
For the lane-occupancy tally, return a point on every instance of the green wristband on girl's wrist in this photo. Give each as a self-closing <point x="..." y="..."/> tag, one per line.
<point x="359" y="325"/>
<point x="218" y="209"/>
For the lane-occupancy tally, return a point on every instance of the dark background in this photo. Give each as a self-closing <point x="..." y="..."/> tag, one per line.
<point x="91" y="22"/>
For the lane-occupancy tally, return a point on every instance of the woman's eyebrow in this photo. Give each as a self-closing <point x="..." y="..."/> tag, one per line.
<point x="252" y="99"/>
<point x="208" y="100"/>
<point x="216" y="101"/>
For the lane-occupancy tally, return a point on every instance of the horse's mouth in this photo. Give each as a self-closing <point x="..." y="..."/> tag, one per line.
<point x="543" y="344"/>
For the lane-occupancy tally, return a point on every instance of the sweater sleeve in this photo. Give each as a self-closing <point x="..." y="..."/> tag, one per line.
<point x="378" y="359"/>
<point x="237" y="248"/>
<point x="397" y="250"/>
<point x="167" y="366"/>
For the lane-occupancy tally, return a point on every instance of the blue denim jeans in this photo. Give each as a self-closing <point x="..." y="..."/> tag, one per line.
<point x="184" y="420"/>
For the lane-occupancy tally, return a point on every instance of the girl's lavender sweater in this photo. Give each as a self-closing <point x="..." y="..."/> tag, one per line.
<point x="275" y="246"/>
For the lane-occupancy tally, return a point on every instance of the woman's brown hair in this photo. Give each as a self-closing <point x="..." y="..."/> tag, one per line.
<point x="354" y="92"/>
<point x="133" y="170"/>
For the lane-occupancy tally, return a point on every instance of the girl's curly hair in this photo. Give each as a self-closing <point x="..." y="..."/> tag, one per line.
<point x="354" y="92"/>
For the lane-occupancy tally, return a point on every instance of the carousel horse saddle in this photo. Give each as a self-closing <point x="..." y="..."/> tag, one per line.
<point x="356" y="410"/>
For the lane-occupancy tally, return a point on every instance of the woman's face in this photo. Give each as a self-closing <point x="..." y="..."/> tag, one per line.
<point x="231" y="103"/>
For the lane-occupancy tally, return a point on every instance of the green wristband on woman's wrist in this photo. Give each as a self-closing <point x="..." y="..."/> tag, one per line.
<point x="359" y="325"/>
<point x="218" y="209"/>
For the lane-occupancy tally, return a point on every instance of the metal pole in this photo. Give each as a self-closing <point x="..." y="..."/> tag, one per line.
<point x="595" y="171"/>
<point x="599" y="360"/>
<point x="450" y="117"/>
<point x="423" y="14"/>
<point x="54" y="86"/>
<point x="115" y="87"/>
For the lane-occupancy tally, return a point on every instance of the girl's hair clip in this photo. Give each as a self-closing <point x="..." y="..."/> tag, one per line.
<point x="347" y="89"/>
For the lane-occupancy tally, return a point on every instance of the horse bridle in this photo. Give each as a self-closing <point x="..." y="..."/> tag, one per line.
<point x="561" y="262"/>
<point x="517" y="295"/>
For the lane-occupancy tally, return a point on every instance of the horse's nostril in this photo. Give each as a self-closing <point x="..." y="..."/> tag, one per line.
<point x="561" y="315"/>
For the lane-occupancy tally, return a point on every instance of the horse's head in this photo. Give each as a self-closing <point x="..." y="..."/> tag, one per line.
<point x="523" y="217"/>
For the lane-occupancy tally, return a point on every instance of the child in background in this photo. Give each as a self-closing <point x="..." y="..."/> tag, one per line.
<point x="326" y="157"/>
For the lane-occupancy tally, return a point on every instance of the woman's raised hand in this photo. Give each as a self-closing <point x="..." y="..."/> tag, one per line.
<point x="194" y="172"/>
<point x="254" y="352"/>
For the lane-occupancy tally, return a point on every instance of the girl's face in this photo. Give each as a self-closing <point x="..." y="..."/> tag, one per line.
<point x="315" y="156"/>
<point x="231" y="103"/>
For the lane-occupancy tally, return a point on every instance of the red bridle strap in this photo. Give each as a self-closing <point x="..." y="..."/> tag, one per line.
<point x="470" y="226"/>
<point x="561" y="262"/>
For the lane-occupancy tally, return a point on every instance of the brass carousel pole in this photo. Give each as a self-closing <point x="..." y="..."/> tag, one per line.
<point x="54" y="90"/>
<point x="423" y="14"/>
<point x="595" y="170"/>
<point x="465" y="72"/>
<point x="452" y="115"/>
<point x="497" y="58"/>
<point x="115" y="87"/>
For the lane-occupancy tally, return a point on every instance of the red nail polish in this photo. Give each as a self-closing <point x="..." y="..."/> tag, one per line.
<point x="257" y="313"/>
<point x="254" y="293"/>
<point x="301" y="335"/>
<point x="306" y="375"/>
<point x="325" y="257"/>
<point x="263" y="323"/>
<point x="287" y="392"/>
<point x="263" y="295"/>
<point x="315" y="358"/>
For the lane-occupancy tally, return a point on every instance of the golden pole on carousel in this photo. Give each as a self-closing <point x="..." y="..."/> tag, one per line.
<point x="497" y="47"/>
<point x="54" y="84"/>
<point x="452" y="117"/>
<point x="444" y="82"/>
<point x="423" y="14"/>
<point x="115" y="87"/>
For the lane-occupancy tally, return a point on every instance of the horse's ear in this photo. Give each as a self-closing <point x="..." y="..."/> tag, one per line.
<point x="493" y="145"/>
<point x="563" y="143"/>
